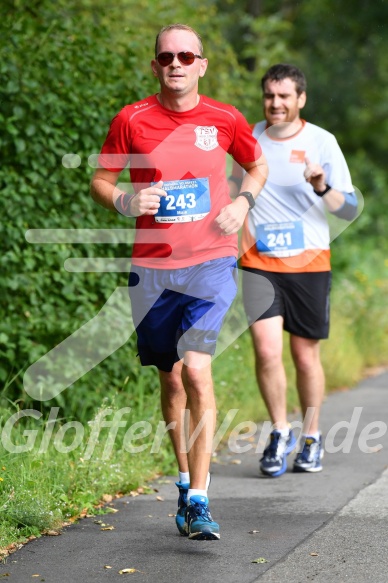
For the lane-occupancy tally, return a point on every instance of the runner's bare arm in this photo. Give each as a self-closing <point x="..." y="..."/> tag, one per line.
<point x="315" y="175"/>
<point x="104" y="191"/>
<point x="255" y="176"/>
<point x="232" y="216"/>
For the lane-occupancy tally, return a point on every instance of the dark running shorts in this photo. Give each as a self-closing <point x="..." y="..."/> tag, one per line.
<point x="302" y="299"/>
<point x="175" y="310"/>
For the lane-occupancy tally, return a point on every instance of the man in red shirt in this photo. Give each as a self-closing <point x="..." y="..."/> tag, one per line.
<point x="182" y="279"/>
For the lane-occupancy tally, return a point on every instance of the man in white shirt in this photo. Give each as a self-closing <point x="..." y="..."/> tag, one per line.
<point x="286" y="260"/>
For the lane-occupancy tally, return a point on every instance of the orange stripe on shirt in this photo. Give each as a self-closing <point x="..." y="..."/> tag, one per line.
<point x="310" y="260"/>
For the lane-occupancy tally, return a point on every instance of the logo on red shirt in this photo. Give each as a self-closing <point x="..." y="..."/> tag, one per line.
<point x="206" y="137"/>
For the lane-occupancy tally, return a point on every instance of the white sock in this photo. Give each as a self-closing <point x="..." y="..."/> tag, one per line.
<point x="284" y="432"/>
<point x="184" y="477"/>
<point x="314" y="435"/>
<point x="195" y="492"/>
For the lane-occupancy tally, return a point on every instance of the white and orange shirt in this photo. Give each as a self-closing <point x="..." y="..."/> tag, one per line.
<point x="288" y="230"/>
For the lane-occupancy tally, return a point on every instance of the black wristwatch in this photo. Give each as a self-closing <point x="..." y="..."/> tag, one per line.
<point x="249" y="197"/>
<point x="327" y="188"/>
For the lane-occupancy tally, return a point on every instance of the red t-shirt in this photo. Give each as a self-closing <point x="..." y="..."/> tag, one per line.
<point x="160" y="144"/>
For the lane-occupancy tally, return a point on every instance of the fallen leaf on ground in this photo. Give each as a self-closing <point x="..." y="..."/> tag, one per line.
<point x="127" y="571"/>
<point x="134" y="493"/>
<point x="52" y="533"/>
<point x="235" y="462"/>
<point x="108" y="528"/>
<point x="160" y="498"/>
<point x="314" y="555"/>
<point x="98" y="522"/>
<point x="253" y="531"/>
<point x="107" y="567"/>
<point x="112" y="510"/>
<point x="172" y="515"/>
<point x="260" y="560"/>
<point x="35" y="575"/>
<point x="14" y="549"/>
<point x="107" y="498"/>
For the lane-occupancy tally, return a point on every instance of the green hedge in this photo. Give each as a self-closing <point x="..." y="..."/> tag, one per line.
<point x="61" y="83"/>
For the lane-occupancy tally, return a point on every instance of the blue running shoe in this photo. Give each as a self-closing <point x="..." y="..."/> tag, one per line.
<point x="274" y="460"/>
<point x="199" y="523"/>
<point x="182" y="505"/>
<point x="309" y="458"/>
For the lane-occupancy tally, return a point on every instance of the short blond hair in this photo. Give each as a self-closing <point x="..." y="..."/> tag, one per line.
<point x="178" y="27"/>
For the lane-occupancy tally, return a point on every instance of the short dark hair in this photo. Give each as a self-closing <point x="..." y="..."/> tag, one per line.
<point x="284" y="71"/>
<point x="177" y="26"/>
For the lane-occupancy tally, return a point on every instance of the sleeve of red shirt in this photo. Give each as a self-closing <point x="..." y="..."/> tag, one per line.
<point x="116" y="149"/>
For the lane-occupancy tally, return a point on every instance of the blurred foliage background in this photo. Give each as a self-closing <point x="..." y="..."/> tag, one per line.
<point x="67" y="67"/>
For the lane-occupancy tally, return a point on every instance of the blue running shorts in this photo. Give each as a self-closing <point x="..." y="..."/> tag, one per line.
<point x="176" y="310"/>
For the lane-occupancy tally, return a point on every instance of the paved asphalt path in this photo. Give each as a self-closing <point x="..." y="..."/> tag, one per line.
<point x="329" y="527"/>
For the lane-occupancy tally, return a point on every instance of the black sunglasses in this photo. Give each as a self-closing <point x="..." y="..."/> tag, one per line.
<point x="184" y="57"/>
